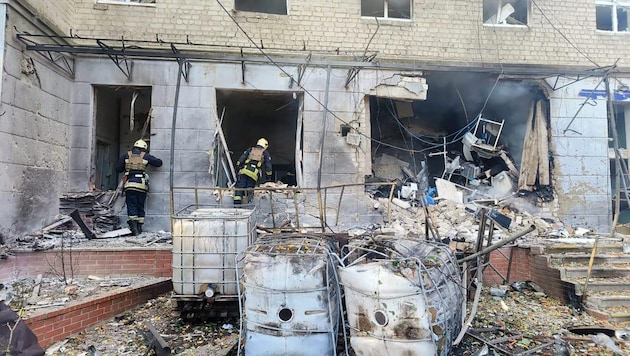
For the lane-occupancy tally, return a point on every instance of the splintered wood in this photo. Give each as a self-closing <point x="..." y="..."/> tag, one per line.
<point x="535" y="158"/>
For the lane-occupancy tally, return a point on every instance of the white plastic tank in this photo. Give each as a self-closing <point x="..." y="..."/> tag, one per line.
<point x="403" y="297"/>
<point x="206" y="241"/>
<point x="291" y="303"/>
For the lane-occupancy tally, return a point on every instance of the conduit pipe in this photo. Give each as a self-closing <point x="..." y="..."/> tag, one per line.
<point x="171" y="164"/>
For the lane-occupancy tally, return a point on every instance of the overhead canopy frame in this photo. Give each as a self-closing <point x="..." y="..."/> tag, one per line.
<point x="59" y="59"/>
<point x="118" y="59"/>
<point x="120" y="50"/>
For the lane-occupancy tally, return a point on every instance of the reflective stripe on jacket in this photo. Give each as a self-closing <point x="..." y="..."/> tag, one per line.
<point x="251" y="166"/>
<point x="135" y="177"/>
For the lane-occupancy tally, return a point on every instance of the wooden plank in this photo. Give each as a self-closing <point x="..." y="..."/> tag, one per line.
<point x="225" y="147"/>
<point x="298" y="143"/>
<point x="58" y="223"/>
<point x="532" y="164"/>
<point x="543" y="144"/>
<point x="528" y="154"/>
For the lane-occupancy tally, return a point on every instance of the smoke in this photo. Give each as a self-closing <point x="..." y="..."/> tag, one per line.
<point x="456" y="98"/>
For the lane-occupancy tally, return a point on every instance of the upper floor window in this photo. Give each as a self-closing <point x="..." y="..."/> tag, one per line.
<point x="612" y="15"/>
<point x="505" y="12"/>
<point x="393" y="9"/>
<point x="278" y="7"/>
<point x="128" y="1"/>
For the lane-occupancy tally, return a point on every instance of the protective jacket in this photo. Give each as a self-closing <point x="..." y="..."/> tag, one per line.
<point x="253" y="162"/>
<point x="134" y="164"/>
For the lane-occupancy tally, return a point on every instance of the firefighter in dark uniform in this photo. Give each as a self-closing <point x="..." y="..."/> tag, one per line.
<point x="251" y="166"/>
<point x="136" y="182"/>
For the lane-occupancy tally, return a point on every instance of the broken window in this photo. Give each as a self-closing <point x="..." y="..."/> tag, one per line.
<point x="396" y="9"/>
<point x="128" y="1"/>
<point x="505" y="12"/>
<point x="612" y="15"/>
<point x="278" y="7"/>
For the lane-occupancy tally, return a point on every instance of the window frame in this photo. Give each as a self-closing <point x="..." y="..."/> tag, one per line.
<point x="500" y="5"/>
<point x="386" y="12"/>
<point x="614" y="5"/>
<point x="126" y="3"/>
<point x="286" y="5"/>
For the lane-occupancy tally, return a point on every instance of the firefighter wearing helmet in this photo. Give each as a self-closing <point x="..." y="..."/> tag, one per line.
<point x="253" y="166"/>
<point x="136" y="182"/>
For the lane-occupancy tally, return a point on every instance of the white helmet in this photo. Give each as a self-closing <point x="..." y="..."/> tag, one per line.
<point x="262" y="143"/>
<point x="141" y="144"/>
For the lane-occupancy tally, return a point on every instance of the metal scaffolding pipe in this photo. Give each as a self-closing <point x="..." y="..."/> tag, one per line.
<point x="499" y="244"/>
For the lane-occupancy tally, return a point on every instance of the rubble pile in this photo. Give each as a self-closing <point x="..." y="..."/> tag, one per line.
<point x="457" y="221"/>
<point x="97" y="207"/>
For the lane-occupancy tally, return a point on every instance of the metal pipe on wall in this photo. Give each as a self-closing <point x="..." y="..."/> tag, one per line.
<point x="171" y="167"/>
<point x="322" y="217"/>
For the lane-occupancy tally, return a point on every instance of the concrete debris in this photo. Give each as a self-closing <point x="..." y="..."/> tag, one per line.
<point x="34" y="294"/>
<point x="458" y="221"/>
<point x="116" y="233"/>
<point x="93" y="208"/>
<point x="4" y="252"/>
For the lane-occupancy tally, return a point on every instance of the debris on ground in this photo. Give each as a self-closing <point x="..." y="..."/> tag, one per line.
<point x="31" y="296"/>
<point x="520" y="322"/>
<point x="126" y="334"/>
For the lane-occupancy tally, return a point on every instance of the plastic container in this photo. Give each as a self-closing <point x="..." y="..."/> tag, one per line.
<point x="206" y="241"/>
<point x="403" y="297"/>
<point x="291" y="303"/>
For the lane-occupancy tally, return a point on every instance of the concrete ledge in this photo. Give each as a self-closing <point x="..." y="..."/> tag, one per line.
<point x="58" y="324"/>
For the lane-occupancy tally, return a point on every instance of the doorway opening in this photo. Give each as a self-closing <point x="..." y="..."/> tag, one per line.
<point x="121" y="119"/>
<point x="247" y="116"/>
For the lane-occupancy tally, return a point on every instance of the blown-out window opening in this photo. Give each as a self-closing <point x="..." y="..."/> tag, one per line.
<point x="278" y="7"/>
<point x="506" y="12"/>
<point x="612" y="15"/>
<point x="128" y="2"/>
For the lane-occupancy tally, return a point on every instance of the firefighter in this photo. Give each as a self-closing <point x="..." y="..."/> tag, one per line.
<point x="136" y="182"/>
<point x="252" y="165"/>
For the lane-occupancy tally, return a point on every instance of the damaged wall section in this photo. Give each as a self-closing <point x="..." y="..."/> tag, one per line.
<point x="476" y="130"/>
<point x="579" y="130"/>
<point x="339" y="133"/>
<point x="34" y="133"/>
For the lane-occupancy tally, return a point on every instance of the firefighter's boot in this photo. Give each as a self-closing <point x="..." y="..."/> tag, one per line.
<point x="140" y="228"/>
<point x="133" y="226"/>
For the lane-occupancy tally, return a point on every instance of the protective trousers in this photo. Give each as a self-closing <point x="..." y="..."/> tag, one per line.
<point x="243" y="182"/>
<point x="135" y="201"/>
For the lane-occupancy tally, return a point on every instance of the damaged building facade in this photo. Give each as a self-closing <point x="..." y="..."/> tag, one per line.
<point x="488" y="99"/>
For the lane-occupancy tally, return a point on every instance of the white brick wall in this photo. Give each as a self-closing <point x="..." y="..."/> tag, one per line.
<point x="447" y="31"/>
<point x="60" y="13"/>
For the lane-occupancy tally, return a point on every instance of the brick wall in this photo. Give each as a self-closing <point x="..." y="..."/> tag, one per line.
<point x="443" y="31"/>
<point x="527" y="265"/>
<point x="56" y="325"/>
<point x="57" y="14"/>
<point x="113" y="263"/>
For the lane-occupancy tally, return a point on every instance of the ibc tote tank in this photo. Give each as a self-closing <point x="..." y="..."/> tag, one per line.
<point x="291" y="303"/>
<point x="206" y="241"/>
<point x="403" y="297"/>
